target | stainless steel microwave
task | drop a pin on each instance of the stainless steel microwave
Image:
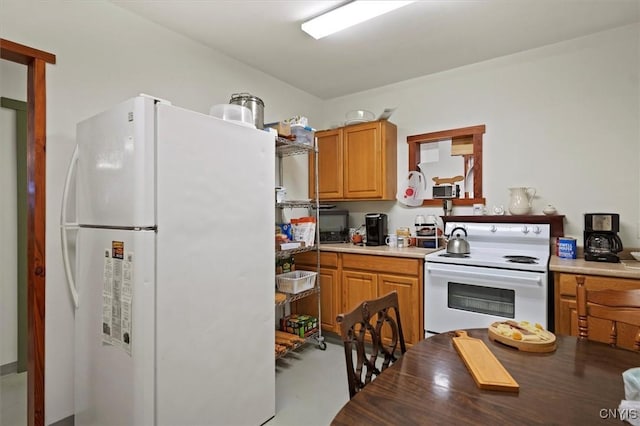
(334, 225)
(444, 191)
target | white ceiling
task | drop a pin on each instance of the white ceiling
(423, 38)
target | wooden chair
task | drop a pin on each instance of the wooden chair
(361, 331)
(617, 306)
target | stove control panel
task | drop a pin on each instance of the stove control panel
(507, 231)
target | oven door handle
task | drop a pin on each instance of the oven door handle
(506, 276)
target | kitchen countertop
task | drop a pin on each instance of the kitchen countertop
(624, 269)
(411, 252)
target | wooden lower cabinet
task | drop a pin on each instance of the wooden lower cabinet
(330, 295)
(565, 307)
(358, 286)
(367, 277)
(348, 279)
(410, 313)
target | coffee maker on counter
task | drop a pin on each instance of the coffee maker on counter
(601, 240)
(376, 226)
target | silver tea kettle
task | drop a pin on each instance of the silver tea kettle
(458, 245)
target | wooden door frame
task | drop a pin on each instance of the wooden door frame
(35, 60)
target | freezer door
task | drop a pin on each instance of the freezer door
(215, 271)
(116, 166)
(114, 328)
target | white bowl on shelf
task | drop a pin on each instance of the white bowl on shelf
(635, 255)
(359, 116)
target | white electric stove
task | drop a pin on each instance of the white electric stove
(505, 276)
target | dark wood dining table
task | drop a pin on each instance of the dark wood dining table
(579, 383)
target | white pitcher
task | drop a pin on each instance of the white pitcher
(521, 200)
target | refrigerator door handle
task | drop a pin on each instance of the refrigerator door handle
(64, 226)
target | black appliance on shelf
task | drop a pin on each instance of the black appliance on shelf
(601, 240)
(334, 225)
(376, 226)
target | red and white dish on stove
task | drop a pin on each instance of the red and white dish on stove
(505, 276)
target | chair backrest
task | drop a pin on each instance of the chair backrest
(362, 330)
(616, 306)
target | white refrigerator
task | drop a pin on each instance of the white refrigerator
(173, 268)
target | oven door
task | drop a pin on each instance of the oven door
(461, 297)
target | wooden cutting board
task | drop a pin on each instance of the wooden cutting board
(516, 335)
(485, 368)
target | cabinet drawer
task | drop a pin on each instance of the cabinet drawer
(384, 264)
(567, 283)
(327, 260)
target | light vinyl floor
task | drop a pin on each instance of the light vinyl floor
(311, 387)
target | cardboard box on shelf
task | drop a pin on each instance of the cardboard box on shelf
(284, 265)
(298, 324)
(291, 245)
(283, 129)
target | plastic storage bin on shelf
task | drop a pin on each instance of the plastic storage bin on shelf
(296, 281)
(303, 134)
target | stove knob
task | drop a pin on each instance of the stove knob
(493, 228)
(537, 230)
(525, 230)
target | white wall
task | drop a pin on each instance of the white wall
(564, 119)
(105, 55)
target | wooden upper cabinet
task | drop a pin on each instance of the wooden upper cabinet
(363, 166)
(330, 166)
(356, 162)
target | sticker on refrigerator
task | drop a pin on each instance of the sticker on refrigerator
(107, 296)
(117, 296)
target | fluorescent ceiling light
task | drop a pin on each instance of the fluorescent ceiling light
(348, 15)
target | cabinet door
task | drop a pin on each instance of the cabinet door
(566, 311)
(408, 289)
(357, 287)
(329, 299)
(363, 169)
(330, 166)
(566, 317)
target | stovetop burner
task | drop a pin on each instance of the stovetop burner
(512, 246)
(521, 259)
(458, 255)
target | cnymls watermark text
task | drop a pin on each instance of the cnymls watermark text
(619, 413)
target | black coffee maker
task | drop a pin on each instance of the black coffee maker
(601, 241)
(376, 225)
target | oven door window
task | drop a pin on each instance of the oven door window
(485, 300)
